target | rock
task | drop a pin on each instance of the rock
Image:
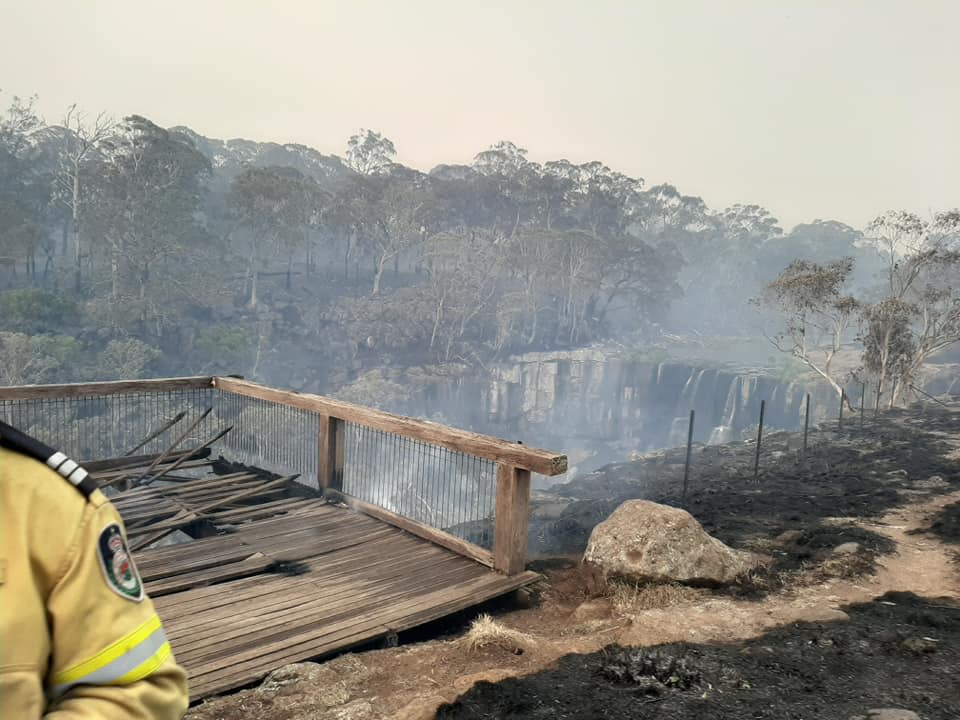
(787, 537)
(887, 714)
(847, 548)
(919, 645)
(646, 542)
(292, 674)
(328, 685)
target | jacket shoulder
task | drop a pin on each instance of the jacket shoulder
(20, 443)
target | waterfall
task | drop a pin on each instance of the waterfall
(678, 432)
(730, 408)
(599, 410)
(684, 394)
(688, 395)
(720, 434)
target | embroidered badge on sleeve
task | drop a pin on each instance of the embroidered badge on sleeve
(117, 564)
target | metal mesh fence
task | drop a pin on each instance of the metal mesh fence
(438, 487)
(442, 488)
(270, 436)
(105, 426)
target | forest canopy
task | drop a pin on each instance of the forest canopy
(150, 250)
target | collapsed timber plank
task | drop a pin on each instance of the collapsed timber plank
(232, 616)
(134, 461)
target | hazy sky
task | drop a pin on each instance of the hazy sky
(813, 108)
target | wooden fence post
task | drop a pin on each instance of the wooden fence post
(510, 519)
(330, 465)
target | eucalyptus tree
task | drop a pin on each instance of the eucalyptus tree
(816, 312)
(145, 202)
(369, 152)
(81, 140)
(918, 314)
(24, 190)
(276, 206)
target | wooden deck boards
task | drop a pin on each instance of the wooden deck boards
(232, 616)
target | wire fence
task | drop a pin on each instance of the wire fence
(433, 485)
(448, 490)
(105, 426)
(270, 436)
(852, 410)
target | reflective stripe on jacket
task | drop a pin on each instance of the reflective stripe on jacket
(78, 637)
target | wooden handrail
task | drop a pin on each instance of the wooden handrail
(119, 387)
(469, 443)
(514, 461)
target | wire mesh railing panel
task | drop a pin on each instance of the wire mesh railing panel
(270, 436)
(110, 425)
(442, 488)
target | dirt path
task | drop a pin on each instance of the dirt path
(921, 564)
(411, 682)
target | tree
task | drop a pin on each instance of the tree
(503, 158)
(369, 152)
(125, 359)
(145, 203)
(465, 271)
(81, 141)
(889, 347)
(32, 310)
(275, 205)
(23, 190)
(389, 217)
(223, 349)
(37, 359)
(897, 235)
(920, 313)
(750, 225)
(816, 311)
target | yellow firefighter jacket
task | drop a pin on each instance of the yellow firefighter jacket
(78, 637)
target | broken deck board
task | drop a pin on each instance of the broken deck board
(232, 617)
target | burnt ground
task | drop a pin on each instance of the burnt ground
(899, 651)
(893, 487)
(795, 509)
(946, 525)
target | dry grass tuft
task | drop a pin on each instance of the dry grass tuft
(630, 598)
(486, 632)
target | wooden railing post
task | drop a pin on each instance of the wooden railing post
(330, 467)
(510, 519)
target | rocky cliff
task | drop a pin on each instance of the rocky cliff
(602, 408)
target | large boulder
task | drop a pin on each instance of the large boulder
(646, 542)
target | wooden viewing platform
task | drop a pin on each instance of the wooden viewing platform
(230, 619)
(381, 537)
